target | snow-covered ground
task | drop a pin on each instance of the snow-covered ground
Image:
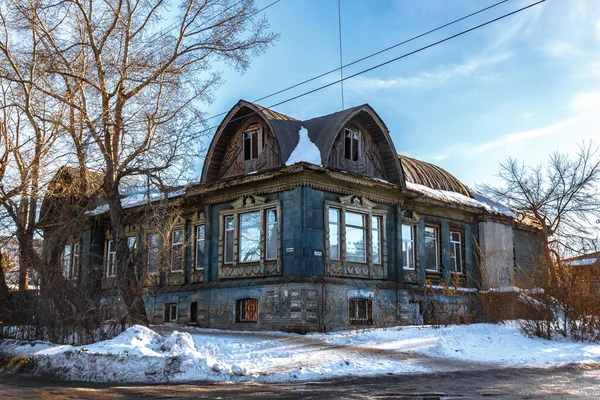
(142, 355)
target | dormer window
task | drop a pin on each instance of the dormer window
(251, 143)
(352, 144)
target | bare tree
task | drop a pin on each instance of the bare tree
(563, 196)
(134, 76)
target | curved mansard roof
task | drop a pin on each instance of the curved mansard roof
(284, 128)
(426, 174)
(322, 131)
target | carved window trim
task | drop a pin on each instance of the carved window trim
(343, 267)
(263, 266)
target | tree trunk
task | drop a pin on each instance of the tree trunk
(4, 294)
(129, 289)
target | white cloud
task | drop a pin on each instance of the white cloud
(583, 124)
(427, 79)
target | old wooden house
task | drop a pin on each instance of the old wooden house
(306, 225)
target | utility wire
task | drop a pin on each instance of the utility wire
(385, 63)
(366, 57)
(341, 58)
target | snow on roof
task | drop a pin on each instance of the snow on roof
(305, 151)
(139, 199)
(479, 201)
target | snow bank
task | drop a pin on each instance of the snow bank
(142, 355)
(305, 151)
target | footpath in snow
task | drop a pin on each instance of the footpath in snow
(142, 355)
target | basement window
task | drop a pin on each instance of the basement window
(246, 310)
(360, 311)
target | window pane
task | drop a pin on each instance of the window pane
(271, 251)
(153, 253)
(376, 239)
(66, 262)
(200, 247)
(254, 144)
(408, 261)
(132, 242)
(355, 145)
(355, 219)
(348, 145)
(247, 146)
(355, 244)
(177, 237)
(407, 232)
(229, 225)
(455, 236)
(250, 237)
(334, 234)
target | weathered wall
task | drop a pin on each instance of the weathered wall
(497, 254)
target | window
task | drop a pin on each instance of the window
(229, 232)
(354, 236)
(360, 311)
(132, 243)
(153, 243)
(356, 233)
(246, 310)
(66, 261)
(431, 249)
(200, 247)
(408, 247)
(334, 234)
(171, 312)
(250, 237)
(75, 265)
(111, 258)
(193, 311)
(251, 145)
(456, 256)
(271, 231)
(177, 250)
(376, 239)
(351, 144)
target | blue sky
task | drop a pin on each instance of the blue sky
(524, 86)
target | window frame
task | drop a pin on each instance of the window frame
(235, 216)
(436, 230)
(256, 140)
(150, 255)
(75, 260)
(198, 260)
(180, 250)
(352, 144)
(66, 261)
(171, 306)
(369, 214)
(460, 243)
(413, 241)
(111, 262)
(240, 310)
(356, 319)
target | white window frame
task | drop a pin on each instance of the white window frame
(353, 139)
(436, 231)
(177, 247)
(172, 306)
(235, 231)
(255, 136)
(111, 259)
(269, 226)
(76, 260)
(412, 242)
(369, 214)
(456, 268)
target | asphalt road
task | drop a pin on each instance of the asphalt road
(572, 382)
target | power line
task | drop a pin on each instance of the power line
(341, 58)
(366, 57)
(386, 62)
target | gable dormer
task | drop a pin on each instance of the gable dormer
(250, 139)
(357, 141)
